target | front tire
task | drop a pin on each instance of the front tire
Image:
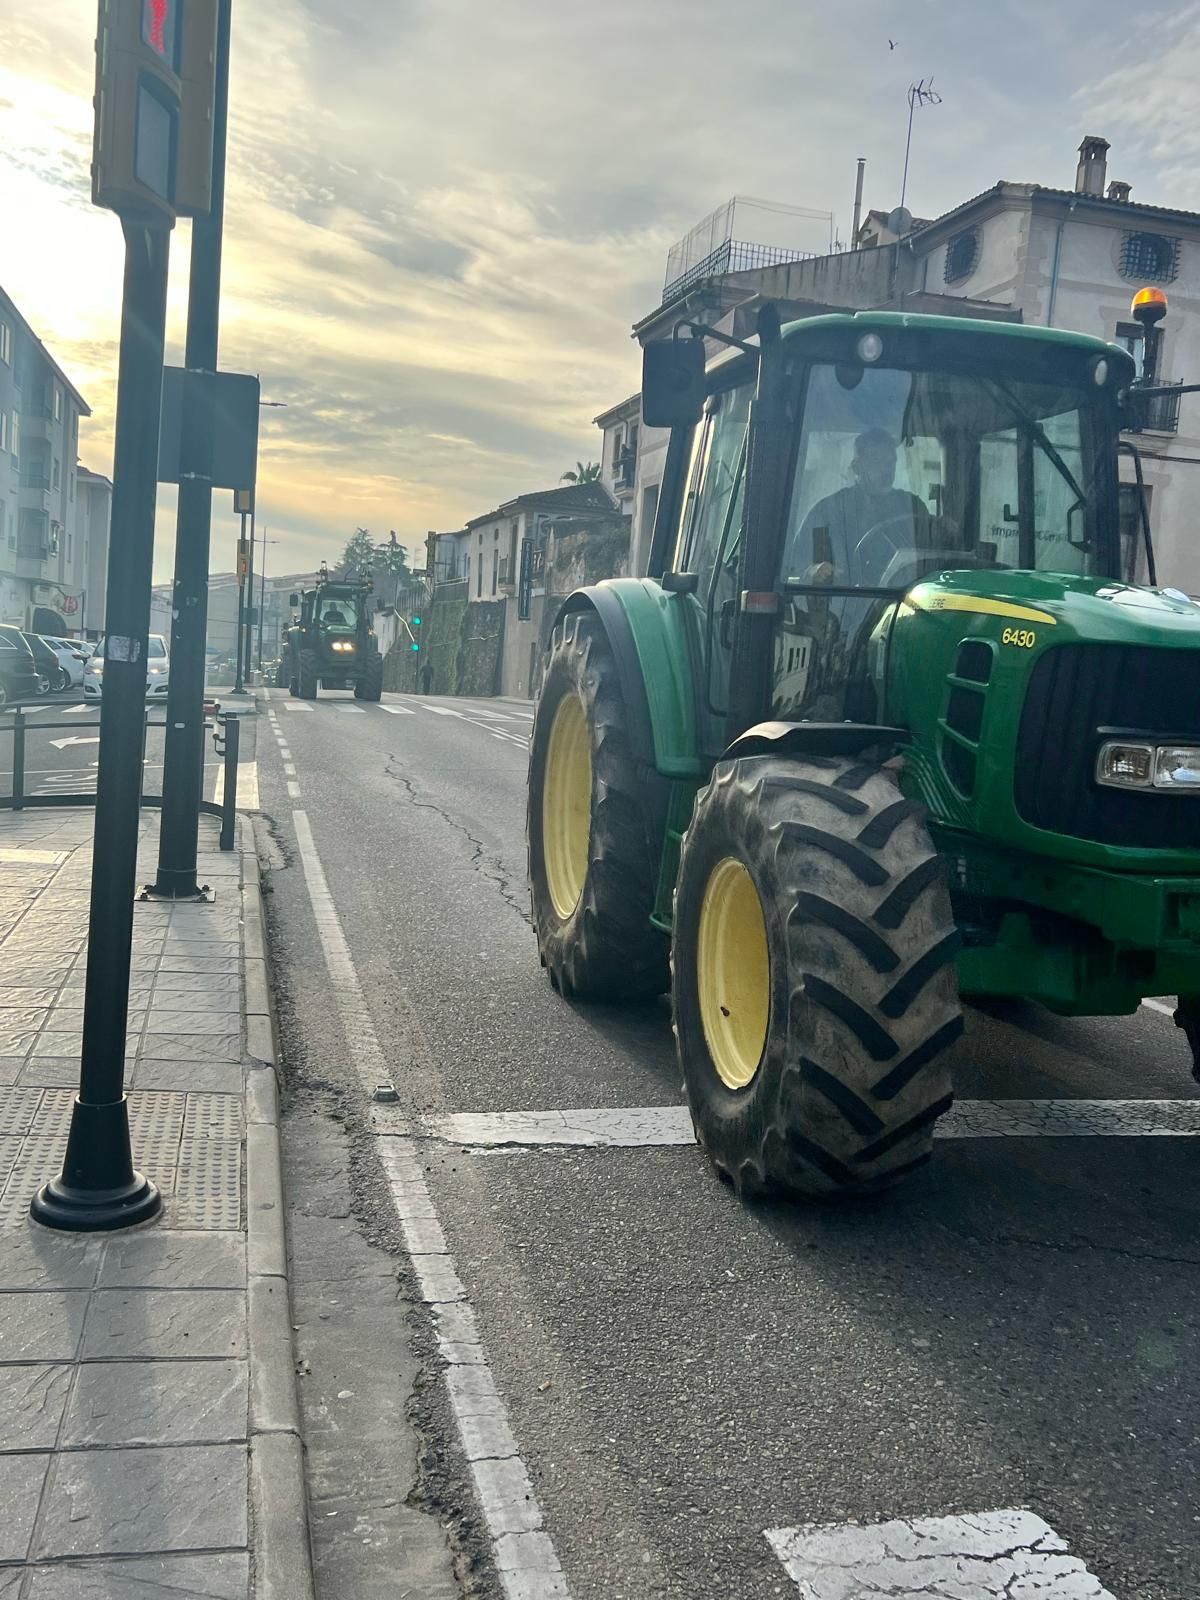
(592, 869)
(815, 993)
(370, 685)
(307, 676)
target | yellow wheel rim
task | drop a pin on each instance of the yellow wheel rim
(567, 805)
(733, 973)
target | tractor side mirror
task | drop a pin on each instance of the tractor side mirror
(293, 599)
(673, 383)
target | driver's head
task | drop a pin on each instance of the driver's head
(874, 463)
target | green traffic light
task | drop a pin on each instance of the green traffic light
(414, 646)
(416, 622)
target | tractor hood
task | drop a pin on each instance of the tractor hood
(1096, 609)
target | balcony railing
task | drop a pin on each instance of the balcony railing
(34, 478)
(733, 255)
(1154, 413)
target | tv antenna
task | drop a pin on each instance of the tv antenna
(921, 93)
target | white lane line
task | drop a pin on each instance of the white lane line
(289, 769)
(525, 1555)
(496, 733)
(296, 705)
(247, 785)
(491, 716)
(1159, 1005)
(293, 790)
(397, 711)
(637, 1126)
(440, 711)
(352, 711)
(993, 1555)
(285, 750)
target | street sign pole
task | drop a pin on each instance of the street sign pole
(241, 614)
(249, 616)
(183, 755)
(98, 1187)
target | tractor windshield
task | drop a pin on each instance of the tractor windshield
(336, 611)
(901, 473)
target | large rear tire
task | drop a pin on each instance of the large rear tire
(370, 685)
(592, 868)
(815, 992)
(307, 675)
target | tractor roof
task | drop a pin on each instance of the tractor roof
(965, 327)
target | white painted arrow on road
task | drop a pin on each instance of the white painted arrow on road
(76, 738)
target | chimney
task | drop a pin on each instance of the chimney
(1118, 190)
(1093, 162)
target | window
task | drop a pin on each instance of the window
(1149, 257)
(56, 480)
(57, 403)
(479, 572)
(70, 545)
(714, 481)
(1133, 545)
(1131, 336)
(3, 431)
(3, 516)
(55, 536)
(962, 256)
(5, 343)
(496, 567)
(617, 441)
(14, 442)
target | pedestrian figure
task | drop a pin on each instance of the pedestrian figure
(426, 677)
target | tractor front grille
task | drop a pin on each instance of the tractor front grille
(1074, 691)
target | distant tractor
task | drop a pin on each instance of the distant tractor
(331, 643)
(886, 724)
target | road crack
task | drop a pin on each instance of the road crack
(480, 860)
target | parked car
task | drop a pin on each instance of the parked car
(18, 675)
(158, 665)
(52, 675)
(70, 658)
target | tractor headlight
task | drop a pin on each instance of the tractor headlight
(1147, 766)
(343, 644)
(1177, 767)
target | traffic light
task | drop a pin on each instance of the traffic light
(414, 645)
(416, 622)
(155, 80)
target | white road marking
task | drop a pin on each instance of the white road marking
(296, 705)
(285, 751)
(76, 738)
(293, 791)
(1158, 1005)
(247, 785)
(635, 1126)
(491, 716)
(75, 711)
(289, 769)
(354, 711)
(440, 711)
(993, 1554)
(397, 711)
(525, 1556)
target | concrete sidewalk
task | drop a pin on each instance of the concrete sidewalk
(149, 1434)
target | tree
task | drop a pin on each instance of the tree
(585, 472)
(391, 569)
(358, 557)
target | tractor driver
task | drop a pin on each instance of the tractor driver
(334, 617)
(835, 530)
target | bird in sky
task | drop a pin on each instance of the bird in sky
(891, 44)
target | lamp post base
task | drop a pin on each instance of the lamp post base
(98, 1189)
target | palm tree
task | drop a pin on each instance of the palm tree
(585, 472)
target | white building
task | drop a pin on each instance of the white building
(48, 542)
(1051, 257)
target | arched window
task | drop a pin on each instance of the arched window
(1149, 258)
(962, 255)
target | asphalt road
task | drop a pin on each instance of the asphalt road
(682, 1374)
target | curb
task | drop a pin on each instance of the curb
(282, 1556)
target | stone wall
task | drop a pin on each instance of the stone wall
(461, 642)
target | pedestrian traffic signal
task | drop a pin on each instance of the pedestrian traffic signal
(155, 81)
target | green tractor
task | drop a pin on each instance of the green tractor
(331, 644)
(885, 726)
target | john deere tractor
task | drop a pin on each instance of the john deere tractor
(331, 643)
(886, 725)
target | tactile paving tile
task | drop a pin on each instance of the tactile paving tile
(38, 1161)
(157, 1115)
(18, 1108)
(53, 1117)
(208, 1189)
(213, 1116)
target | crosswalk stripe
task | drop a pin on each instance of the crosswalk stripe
(352, 711)
(398, 711)
(296, 705)
(989, 1556)
(636, 1126)
(441, 711)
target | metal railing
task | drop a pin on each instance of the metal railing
(226, 733)
(1152, 413)
(733, 255)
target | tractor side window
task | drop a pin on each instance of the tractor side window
(714, 485)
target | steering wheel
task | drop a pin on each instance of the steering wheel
(920, 563)
(879, 550)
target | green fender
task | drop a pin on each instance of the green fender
(655, 638)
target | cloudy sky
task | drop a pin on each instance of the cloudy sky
(443, 215)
